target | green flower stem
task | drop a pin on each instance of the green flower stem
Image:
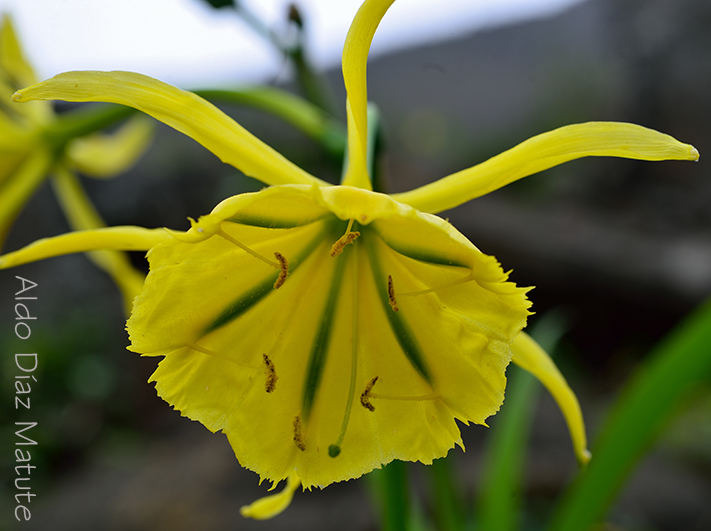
(305, 116)
(447, 503)
(677, 365)
(311, 82)
(85, 120)
(313, 85)
(392, 491)
(499, 503)
(500, 499)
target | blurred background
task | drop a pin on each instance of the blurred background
(623, 248)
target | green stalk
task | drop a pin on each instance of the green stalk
(677, 365)
(392, 491)
(448, 509)
(500, 500)
(85, 120)
(305, 116)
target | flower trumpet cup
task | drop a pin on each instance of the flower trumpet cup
(328, 330)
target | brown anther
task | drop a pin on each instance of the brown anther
(344, 240)
(271, 374)
(283, 270)
(298, 441)
(365, 395)
(391, 294)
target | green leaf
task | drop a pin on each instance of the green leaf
(676, 366)
(392, 491)
(448, 509)
(499, 504)
(305, 116)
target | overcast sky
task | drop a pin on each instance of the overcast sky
(186, 43)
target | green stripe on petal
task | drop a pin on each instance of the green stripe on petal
(426, 254)
(592, 139)
(401, 330)
(319, 349)
(261, 290)
(267, 222)
(185, 111)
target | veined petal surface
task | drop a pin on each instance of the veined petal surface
(182, 110)
(592, 139)
(321, 376)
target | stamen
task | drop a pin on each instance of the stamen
(271, 374)
(463, 280)
(344, 240)
(284, 270)
(214, 354)
(229, 238)
(431, 396)
(298, 440)
(365, 395)
(391, 294)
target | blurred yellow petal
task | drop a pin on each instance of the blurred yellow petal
(18, 186)
(82, 215)
(529, 355)
(12, 59)
(338, 383)
(355, 58)
(180, 109)
(106, 155)
(16, 72)
(274, 504)
(113, 238)
(592, 139)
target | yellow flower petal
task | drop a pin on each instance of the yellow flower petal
(106, 155)
(598, 139)
(115, 238)
(180, 109)
(12, 60)
(355, 58)
(16, 72)
(82, 216)
(17, 187)
(528, 355)
(274, 504)
(291, 374)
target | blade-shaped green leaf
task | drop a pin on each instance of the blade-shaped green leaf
(676, 366)
(499, 504)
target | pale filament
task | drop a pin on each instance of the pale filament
(463, 280)
(208, 352)
(275, 265)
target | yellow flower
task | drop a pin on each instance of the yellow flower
(328, 330)
(36, 143)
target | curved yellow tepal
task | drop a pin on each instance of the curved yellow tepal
(182, 110)
(355, 58)
(104, 155)
(111, 238)
(12, 59)
(274, 504)
(82, 215)
(529, 355)
(592, 139)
